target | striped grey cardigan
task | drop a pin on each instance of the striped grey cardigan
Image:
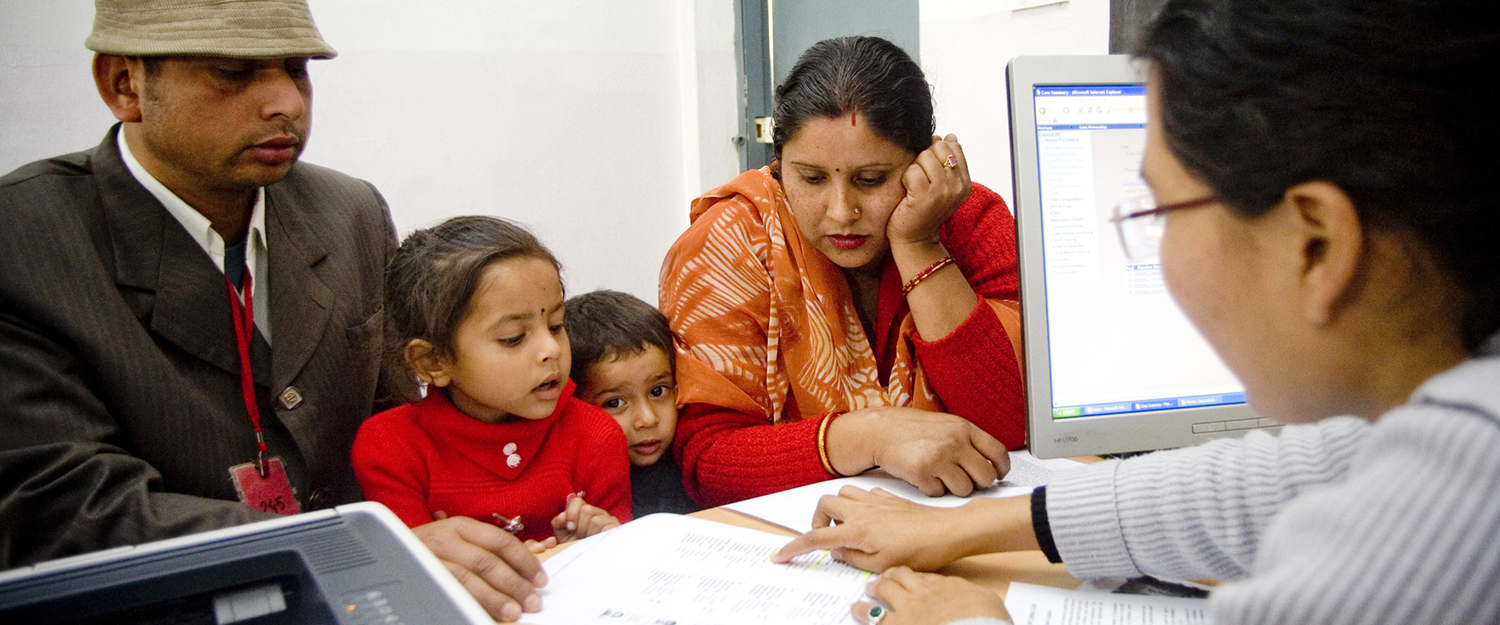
(1335, 522)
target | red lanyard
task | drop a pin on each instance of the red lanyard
(244, 330)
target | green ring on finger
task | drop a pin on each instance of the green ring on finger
(875, 614)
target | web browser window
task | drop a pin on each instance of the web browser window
(1118, 342)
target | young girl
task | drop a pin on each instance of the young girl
(474, 309)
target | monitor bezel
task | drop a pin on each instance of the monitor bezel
(1048, 437)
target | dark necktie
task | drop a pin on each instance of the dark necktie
(234, 262)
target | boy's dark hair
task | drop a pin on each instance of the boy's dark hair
(1378, 97)
(432, 277)
(610, 324)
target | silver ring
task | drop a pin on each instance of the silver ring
(875, 614)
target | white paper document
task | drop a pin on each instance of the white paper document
(667, 569)
(1030, 604)
(793, 509)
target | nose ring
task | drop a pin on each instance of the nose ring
(858, 211)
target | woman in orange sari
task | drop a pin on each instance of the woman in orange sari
(852, 306)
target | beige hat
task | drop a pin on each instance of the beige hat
(246, 29)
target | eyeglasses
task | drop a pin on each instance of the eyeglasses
(1140, 223)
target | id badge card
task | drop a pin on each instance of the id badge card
(272, 493)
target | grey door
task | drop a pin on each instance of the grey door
(773, 33)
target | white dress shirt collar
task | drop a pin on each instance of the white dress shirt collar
(201, 230)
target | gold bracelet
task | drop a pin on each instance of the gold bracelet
(823, 442)
(925, 274)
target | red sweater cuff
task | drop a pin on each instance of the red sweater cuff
(729, 456)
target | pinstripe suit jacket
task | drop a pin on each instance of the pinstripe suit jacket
(120, 402)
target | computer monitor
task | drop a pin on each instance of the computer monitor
(1111, 363)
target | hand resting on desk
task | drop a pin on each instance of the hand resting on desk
(580, 520)
(492, 564)
(914, 597)
(877, 531)
(933, 451)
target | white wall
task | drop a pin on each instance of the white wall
(593, 122)
(965, 46)
(48, 104)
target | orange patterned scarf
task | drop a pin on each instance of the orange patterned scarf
(764, 323)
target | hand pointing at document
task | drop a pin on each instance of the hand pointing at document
(875, 530)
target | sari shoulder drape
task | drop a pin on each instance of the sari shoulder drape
(763, 321)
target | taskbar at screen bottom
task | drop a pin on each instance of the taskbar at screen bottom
(1147, 405)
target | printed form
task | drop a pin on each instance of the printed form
(1030, 604)
(667, 569)
(793, 509)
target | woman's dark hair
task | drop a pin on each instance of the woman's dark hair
(610, 324)
(868, 76)
(1387, 99)
(432, 277)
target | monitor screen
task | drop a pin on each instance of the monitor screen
(1112, 364)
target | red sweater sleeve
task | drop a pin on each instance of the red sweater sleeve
(728, 456)
(390, 469)
(975, 368)
(603, 472)
(981, 236)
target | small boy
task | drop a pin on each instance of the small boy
(622, 363)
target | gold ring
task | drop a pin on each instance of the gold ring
(951, 162)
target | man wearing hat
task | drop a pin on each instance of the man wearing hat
(190, 318)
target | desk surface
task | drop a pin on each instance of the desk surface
(995, 571)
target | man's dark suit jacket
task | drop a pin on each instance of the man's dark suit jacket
(121, 409)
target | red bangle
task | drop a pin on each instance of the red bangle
(823, 443)
(925, 274)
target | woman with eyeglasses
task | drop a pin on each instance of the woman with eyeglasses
(1324, 174)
